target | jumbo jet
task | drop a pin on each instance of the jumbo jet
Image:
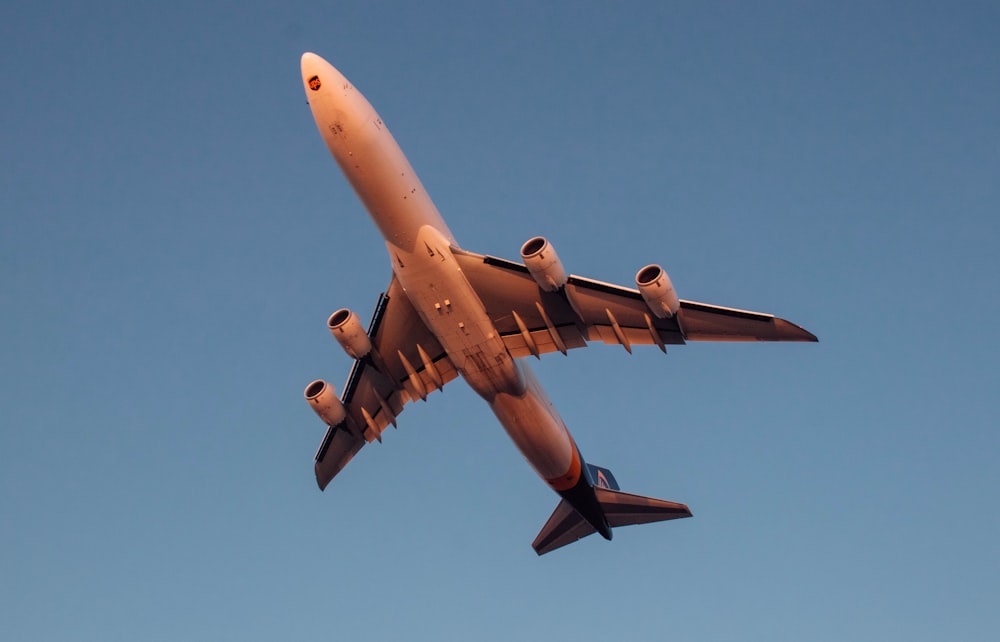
(448, 312)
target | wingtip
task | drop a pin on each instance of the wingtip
(788, 331)
(322, 480)
(807, 336)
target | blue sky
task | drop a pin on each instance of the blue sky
(174, 234)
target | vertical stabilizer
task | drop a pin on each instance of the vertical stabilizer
(603, 478)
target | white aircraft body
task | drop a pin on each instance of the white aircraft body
(448, 312)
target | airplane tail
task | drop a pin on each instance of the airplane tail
(566, 525)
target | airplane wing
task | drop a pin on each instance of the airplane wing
(406, 363)
(533, 321)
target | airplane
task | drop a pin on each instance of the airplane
(448, 312)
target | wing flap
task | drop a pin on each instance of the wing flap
(543, 341)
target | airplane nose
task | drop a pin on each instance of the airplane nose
(312, 67)
(336, 106)
(317, 73)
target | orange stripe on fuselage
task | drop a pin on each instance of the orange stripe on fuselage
(571, 477)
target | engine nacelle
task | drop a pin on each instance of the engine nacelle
(346, 328)
(657, 291)
(325, 402)
(543, 263)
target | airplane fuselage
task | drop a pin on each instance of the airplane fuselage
(420, 247)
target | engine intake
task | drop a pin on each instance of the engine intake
(325, 403)
(346, 328)
(657, 291)
(543, 264)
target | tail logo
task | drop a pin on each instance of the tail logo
(602, 481)
(314, 83)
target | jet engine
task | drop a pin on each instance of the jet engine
(657, 291)
(543, 264)
(346, 328)
(325, 402)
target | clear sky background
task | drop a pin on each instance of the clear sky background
(174, 233)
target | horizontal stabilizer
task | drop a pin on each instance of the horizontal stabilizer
(566, 526)
(625, 509)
